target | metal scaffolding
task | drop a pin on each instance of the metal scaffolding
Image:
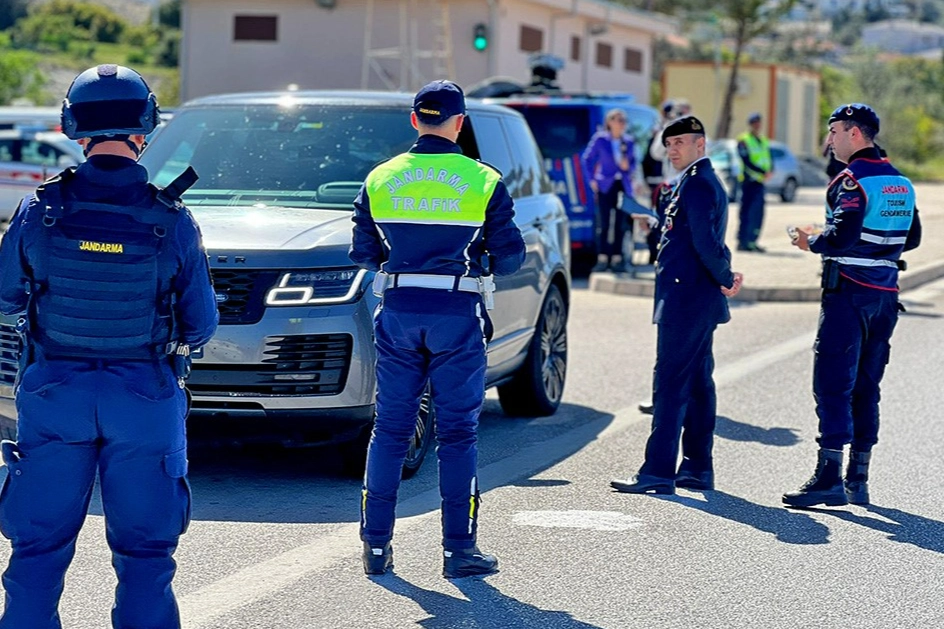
(424, 45)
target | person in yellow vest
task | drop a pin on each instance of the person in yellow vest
(754, 150)
(434, 225)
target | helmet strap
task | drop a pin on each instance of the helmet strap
(98, 139)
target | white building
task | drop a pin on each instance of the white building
(903, 36)
(238, 45)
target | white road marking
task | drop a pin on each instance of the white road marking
(591, 520)
(200, 608)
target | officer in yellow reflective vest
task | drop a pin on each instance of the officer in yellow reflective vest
(754, 150)
(434, 224)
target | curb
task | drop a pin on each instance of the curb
(638, 287)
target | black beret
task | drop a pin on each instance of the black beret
(683, 125)
(856, 112)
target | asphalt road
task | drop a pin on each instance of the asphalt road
(274, 540)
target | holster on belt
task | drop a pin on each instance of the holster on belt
(831, 277)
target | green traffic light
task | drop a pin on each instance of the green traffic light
(480, 43)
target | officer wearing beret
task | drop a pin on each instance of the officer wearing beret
(434, 224)
(871, 219)
(754, 150)
(112, 284)
(693, 281)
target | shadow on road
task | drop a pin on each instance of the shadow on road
(486, 607)
(790, 527)
(732, 430)
(904, 527)
(308, 486)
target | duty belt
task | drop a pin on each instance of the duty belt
(484, 286)
(862, 261)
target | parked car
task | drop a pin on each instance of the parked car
(28, 158)
(727, 163)
(293, 360)
(563, 124)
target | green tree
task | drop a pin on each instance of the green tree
(168, 13)
(98, 23)
(747, 19)
(19, 77)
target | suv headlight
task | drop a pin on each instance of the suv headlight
(302, 288)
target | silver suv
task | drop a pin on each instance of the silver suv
(293, 359)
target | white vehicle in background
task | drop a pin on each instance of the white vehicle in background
(27, 158)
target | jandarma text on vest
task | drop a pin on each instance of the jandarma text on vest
(430, 174)
(101, 247)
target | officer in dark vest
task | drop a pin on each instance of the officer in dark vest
(112, 284)
(434, 224)
(693, 281)
(871, 219)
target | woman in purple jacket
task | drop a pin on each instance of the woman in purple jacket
(608, 161)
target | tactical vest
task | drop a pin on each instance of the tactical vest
(758, 149)
(886, 221)
(102, 295)
(431, 189)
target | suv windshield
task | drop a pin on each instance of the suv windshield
(269, 155)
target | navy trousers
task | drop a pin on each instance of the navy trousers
(751, 215)
(608, 215)
(436, 337)
(852, 349)
(683, 397)
(126, 422)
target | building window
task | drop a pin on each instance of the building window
(632, 60)
(255, 28)
(532, 39)
(575, 46)
(604, 55)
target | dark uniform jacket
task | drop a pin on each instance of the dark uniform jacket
(115, 180)
(693, 263)
(871, 218)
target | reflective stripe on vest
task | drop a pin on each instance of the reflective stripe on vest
(431, 189)
(758, 149)
(100, 296)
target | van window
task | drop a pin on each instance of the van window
(534, 177)
(560, 131)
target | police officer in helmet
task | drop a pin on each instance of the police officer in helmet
(434, 224)
(111, 282)
(871, 219)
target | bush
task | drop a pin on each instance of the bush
(61, 19)
(47, 33)
(168, 54)
(19, 77)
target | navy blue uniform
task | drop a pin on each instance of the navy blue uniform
(428, 334)
(123, 418)
(693, 265)
(871, 219)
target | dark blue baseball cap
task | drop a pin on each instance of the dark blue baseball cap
(856, 112)
(754, 117)
(438, 101)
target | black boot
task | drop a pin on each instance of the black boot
(469, 562)
(825, 488)
(857, 478)
(377, 560)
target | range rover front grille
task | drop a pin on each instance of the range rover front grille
(304, 364)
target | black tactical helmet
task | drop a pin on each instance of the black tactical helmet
(109, 100)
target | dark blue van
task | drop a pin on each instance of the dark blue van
(563, 124)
